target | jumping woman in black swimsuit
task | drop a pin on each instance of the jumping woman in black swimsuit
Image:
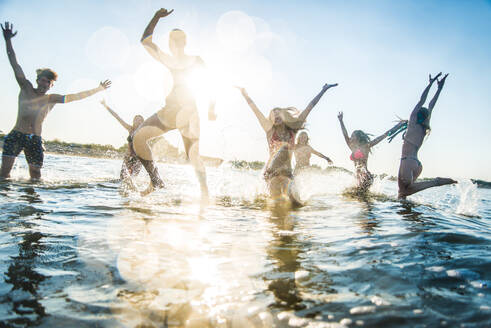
(417, 128)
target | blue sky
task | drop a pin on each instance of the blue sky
(380, 53)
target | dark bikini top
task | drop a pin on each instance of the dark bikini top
(276, 141)
(130, 136)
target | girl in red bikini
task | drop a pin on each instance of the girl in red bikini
(361, 145)
(281, 128)
(417, 128)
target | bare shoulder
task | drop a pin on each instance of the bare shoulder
(27, 90)
(27, 85)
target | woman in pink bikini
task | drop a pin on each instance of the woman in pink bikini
(417, 129)
(281, 128)
(361, 145)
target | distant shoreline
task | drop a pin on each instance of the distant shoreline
(170, 154)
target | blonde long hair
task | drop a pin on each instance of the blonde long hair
(290, 117)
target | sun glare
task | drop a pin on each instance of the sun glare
(203, 269)
(152, 81)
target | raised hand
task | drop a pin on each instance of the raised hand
(242, 90)
(7, 31)
(328, 86)
(340, 116)
(103, 103)
(401, 123)
(162, 12)
(442, 81)
(105, 84)
(212, 116)
(434, 78)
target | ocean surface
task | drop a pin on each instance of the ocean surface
(78, 251)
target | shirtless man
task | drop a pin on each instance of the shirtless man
(34, 105)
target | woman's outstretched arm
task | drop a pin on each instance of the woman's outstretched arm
(315, 152)
(147, 41)
(440, 84)
(383, 136)
(422, 100)
(343, 128)
(116, 116)
(311, 105)
(265, 123)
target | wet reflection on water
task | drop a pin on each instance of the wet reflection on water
(367, 219)
(284, 249)
(187, 270)
(21, 273)
(77, 253)
(25, 280)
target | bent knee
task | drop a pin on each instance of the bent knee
(404, 183)
(140, 144)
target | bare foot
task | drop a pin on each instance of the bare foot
(147, 191)
(445, 181)
(401, 196)
(128, 184)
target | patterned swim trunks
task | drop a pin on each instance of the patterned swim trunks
(32, 145)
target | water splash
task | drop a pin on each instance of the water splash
(152, 261)
(469, 199)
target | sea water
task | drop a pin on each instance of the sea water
(76, 250)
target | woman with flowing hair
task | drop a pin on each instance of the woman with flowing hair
(303, 152)
(417, 128)
(281, 127)
(361, 145)
(180, 111)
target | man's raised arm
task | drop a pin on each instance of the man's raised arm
(8, 35)
(60, 99)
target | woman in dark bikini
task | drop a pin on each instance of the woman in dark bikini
(417, 128)
(361, 145)
(303, 152)
(281, 128)
(131, 165)
(180, 111)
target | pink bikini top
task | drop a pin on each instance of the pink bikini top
(356, 155)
